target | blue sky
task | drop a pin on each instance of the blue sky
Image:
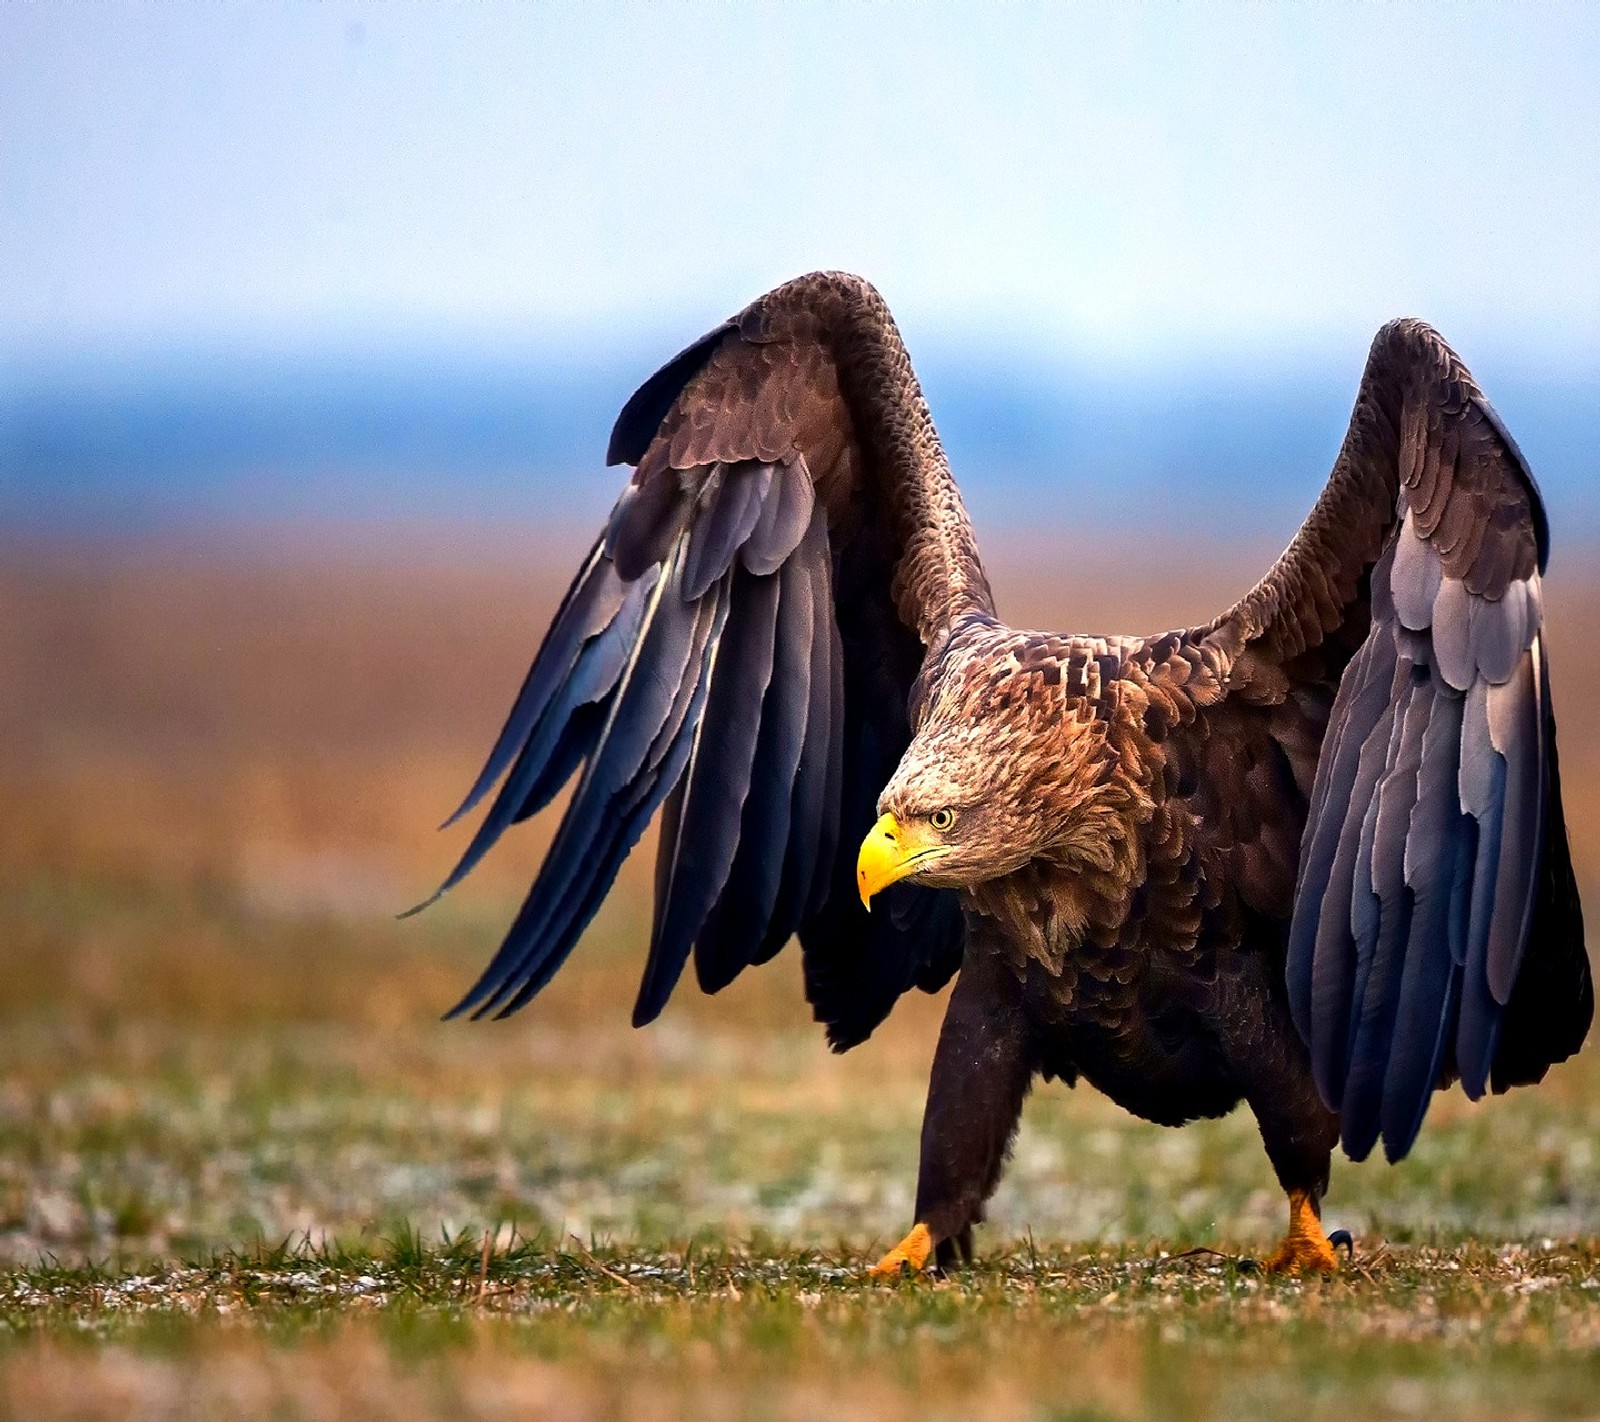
(1127, 183)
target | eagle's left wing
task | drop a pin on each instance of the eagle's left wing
(1436, 925)
(738, 652)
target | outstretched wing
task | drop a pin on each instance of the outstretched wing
(740, 648)
(1436, 928)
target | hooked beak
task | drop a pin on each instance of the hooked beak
(889, 853)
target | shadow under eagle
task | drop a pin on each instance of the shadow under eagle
(1311, 854)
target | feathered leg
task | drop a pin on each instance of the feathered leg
(982, 1069)
(1298, 1131)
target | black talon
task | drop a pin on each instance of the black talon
(953, 1253)
(1342, 1237)
(964, 1243)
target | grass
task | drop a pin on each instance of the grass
(562, 1328)
(596, 1330)
(246, 1172)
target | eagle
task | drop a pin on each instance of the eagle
(1309, 855)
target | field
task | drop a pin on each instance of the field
(246, 1172)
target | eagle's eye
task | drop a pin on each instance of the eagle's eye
(941, 820)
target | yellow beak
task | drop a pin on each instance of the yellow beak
(888, 853)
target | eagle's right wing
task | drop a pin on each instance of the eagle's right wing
(1436, 925)
(740, 647)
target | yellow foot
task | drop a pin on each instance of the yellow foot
(912, 1252)
(1305, 1249)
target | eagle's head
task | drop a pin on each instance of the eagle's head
(1010, 762)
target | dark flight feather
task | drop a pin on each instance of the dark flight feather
(718, 785)
(1516, 730)
(1552, 1002)
(808, 868)
(646, 522)
(1437, 858)
(856, 965)
(1483, 797)
(1362, 699)
(785, 516)
(551, 726)
(1336, 961)
(743, 916)
(664, 669)
(553, 938)
(732, 500)
(1380, 992)
(585, 876)
(593, 600)
(573, 746)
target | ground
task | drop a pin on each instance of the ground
(246, 1172)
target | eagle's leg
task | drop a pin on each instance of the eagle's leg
(982, 1068)
(1299, 1133)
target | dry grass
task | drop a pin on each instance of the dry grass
(222, 768)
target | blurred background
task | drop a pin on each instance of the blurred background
(313, 320)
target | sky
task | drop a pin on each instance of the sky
(1134, 184)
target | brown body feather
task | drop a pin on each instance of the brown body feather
(1309, 855)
